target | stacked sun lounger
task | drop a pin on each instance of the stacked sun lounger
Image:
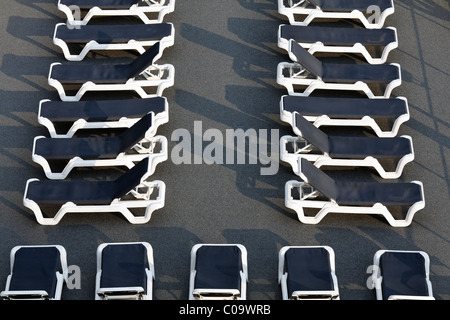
(338, 81)
(103, 132)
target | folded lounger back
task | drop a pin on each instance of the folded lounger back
(84, 192)
(218, 267)
(342, 73)
(124, 265)
(361, 193)
(93, 147)
(105, 73)
(335, 36)
(403, 274)
(35, 269)
(308, 269)
(351, 146)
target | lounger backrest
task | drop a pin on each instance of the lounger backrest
(35, 269)
(314, 2)
(144, 61)
(307, 60)
(318, 179)
(403, 273)
(136, 132)
(311, 133)
(132, 178)
(308, 269)
(218, 267)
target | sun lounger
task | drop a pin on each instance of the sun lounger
(318, 191)
(218, 272)
(307, 273)
(140, 74)
(138, 37)
(125, 149)
(307, 73)
(80, 12)
(100, 114)
(373, 44)
(402, 275)
(383, 116)
(316, 146)
(38, 272)
(125, 271)
(371, 13)
(129, 191)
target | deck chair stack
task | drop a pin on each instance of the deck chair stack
(99, 132)
(340, 106)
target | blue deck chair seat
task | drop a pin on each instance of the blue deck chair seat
(125, 271)
(37, 272)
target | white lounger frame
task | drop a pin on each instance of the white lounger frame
(37, 294)
(301, 7)
(141, 11)
(233, 294)
(141, 193)
(307, 195)
(307, 295)
(377, 279)
(144, 148)
(153, 76)
(139, 46)
(366, 121)
(136, 293)
(158, 119)
(357, 48)
(299, 76)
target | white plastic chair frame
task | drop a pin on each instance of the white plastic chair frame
(159, 76)
(134, 293)
(299, 76)
(307, 295)
(37, 294)
(303, 7)
(140, 10)
(307, 200)
(377, 279)
(218, 294)
(143, 149)
(357, 48)
(366, 121)
(139, 46)
(80, 124)
(142, 199)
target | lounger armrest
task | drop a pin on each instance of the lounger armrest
(315, 295)
(210, 294)
(25, 294)
(405, 297)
